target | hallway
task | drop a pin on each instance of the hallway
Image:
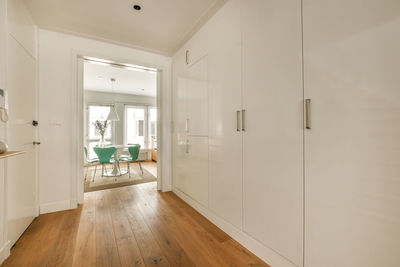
(128, 226)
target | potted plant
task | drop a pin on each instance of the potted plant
(101, 128)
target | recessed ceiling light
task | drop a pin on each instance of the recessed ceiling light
(137, 7)
(142, 89)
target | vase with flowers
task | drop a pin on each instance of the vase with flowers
(101, 128)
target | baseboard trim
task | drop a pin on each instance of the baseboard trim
(261, 251)
(55, 206)
(5, 251)
(73, 203)
(167, 189)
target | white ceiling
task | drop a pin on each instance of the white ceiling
(161, 26)
(127, 81)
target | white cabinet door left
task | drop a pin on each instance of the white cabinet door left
(21, 85)
(3, 42)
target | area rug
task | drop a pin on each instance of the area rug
(103, 182)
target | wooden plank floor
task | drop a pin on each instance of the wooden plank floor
(128, 226)
(150, 166)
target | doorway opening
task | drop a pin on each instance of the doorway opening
(120, 124)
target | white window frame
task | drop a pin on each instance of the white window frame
(147, 141)
(149, 124)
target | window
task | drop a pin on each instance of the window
(153, 127)
(140, 125)
(153, 122)
(140, 128)
(96, 112)
(135, 125)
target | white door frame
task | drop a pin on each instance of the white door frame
(163, 123)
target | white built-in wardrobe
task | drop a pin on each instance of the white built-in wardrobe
(287, 129)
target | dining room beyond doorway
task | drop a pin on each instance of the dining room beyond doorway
(120, 125)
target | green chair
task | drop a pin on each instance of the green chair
(88, 161)
(105, 155)
(133, 157)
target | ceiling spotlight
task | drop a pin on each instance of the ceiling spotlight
(142, 89)
(137, 7)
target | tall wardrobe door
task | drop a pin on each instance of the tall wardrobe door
(225, 97)
(352, 63)
(273, 137)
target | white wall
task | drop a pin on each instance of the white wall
(57, 74)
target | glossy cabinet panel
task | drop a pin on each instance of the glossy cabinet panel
(191, 99)
(352, 63)
(225, 99)
(197, 164)
(195, 91)
(191, 128)
(192, 176)
(196, 48)
(273, 138)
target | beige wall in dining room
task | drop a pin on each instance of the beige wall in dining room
(119, 101)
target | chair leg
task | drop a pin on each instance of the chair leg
(105, 168)
(94, 174)
(129, 170)
(140, 165)
(119, 169)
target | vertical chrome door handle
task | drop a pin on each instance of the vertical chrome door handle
(238, 121)
(187, 146)
(243, 120)
(308, 114)
(187, 126)
(187, 57)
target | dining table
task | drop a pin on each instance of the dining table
(116, 170)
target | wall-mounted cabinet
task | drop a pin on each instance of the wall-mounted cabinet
(254, 79)
(194, 181)
(196, 48)
(191, 128)
(299, 184)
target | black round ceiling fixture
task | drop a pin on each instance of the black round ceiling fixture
(137, 7)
